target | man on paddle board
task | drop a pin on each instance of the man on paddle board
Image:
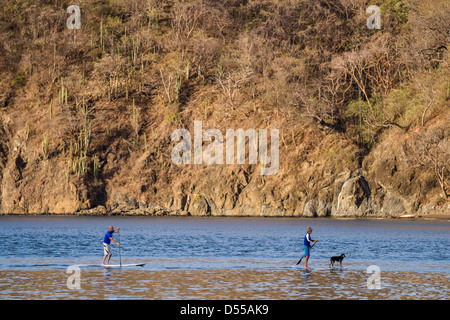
(307, 245)
(107, 243)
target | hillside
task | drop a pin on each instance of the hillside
(87, 114)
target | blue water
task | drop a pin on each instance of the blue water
(223, 258)
(211, 243)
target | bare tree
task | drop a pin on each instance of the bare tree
(167, 85)
(431, 150)
(233, 81)
(185, 18)
(432, 31)
(372, 70)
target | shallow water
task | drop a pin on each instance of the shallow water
(223, 258)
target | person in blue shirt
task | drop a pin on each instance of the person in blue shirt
(107, 243)
(307, 245)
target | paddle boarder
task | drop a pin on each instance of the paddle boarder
(307, 245)
(107, 244)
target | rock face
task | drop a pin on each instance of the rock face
(321, 175)
(353, 198)
(383, 187)
(30, 186)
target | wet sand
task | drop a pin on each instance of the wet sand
(242, 284)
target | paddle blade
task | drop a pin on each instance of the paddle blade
(299, 260)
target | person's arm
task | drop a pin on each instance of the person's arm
(308, 237)
(117, 230)
(114, 241)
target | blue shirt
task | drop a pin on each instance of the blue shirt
(307, 240)
(107, 239)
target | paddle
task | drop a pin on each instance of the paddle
(120, 257)
(304, 255)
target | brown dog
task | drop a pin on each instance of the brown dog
(337, 259)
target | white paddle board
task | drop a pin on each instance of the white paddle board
(123, 265)
(111, 265)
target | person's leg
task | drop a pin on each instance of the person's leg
(107, 252)
(306, 251)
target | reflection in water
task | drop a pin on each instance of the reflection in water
(282, 284)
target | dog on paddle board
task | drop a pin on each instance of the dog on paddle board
(337, 259)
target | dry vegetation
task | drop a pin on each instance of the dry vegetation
(100, 103)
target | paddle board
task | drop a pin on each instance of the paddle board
(111, 265)
(123, 265)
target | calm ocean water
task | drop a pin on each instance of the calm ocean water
(223, 258)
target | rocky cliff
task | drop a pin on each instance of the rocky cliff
(383, 186)
(87, 116)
